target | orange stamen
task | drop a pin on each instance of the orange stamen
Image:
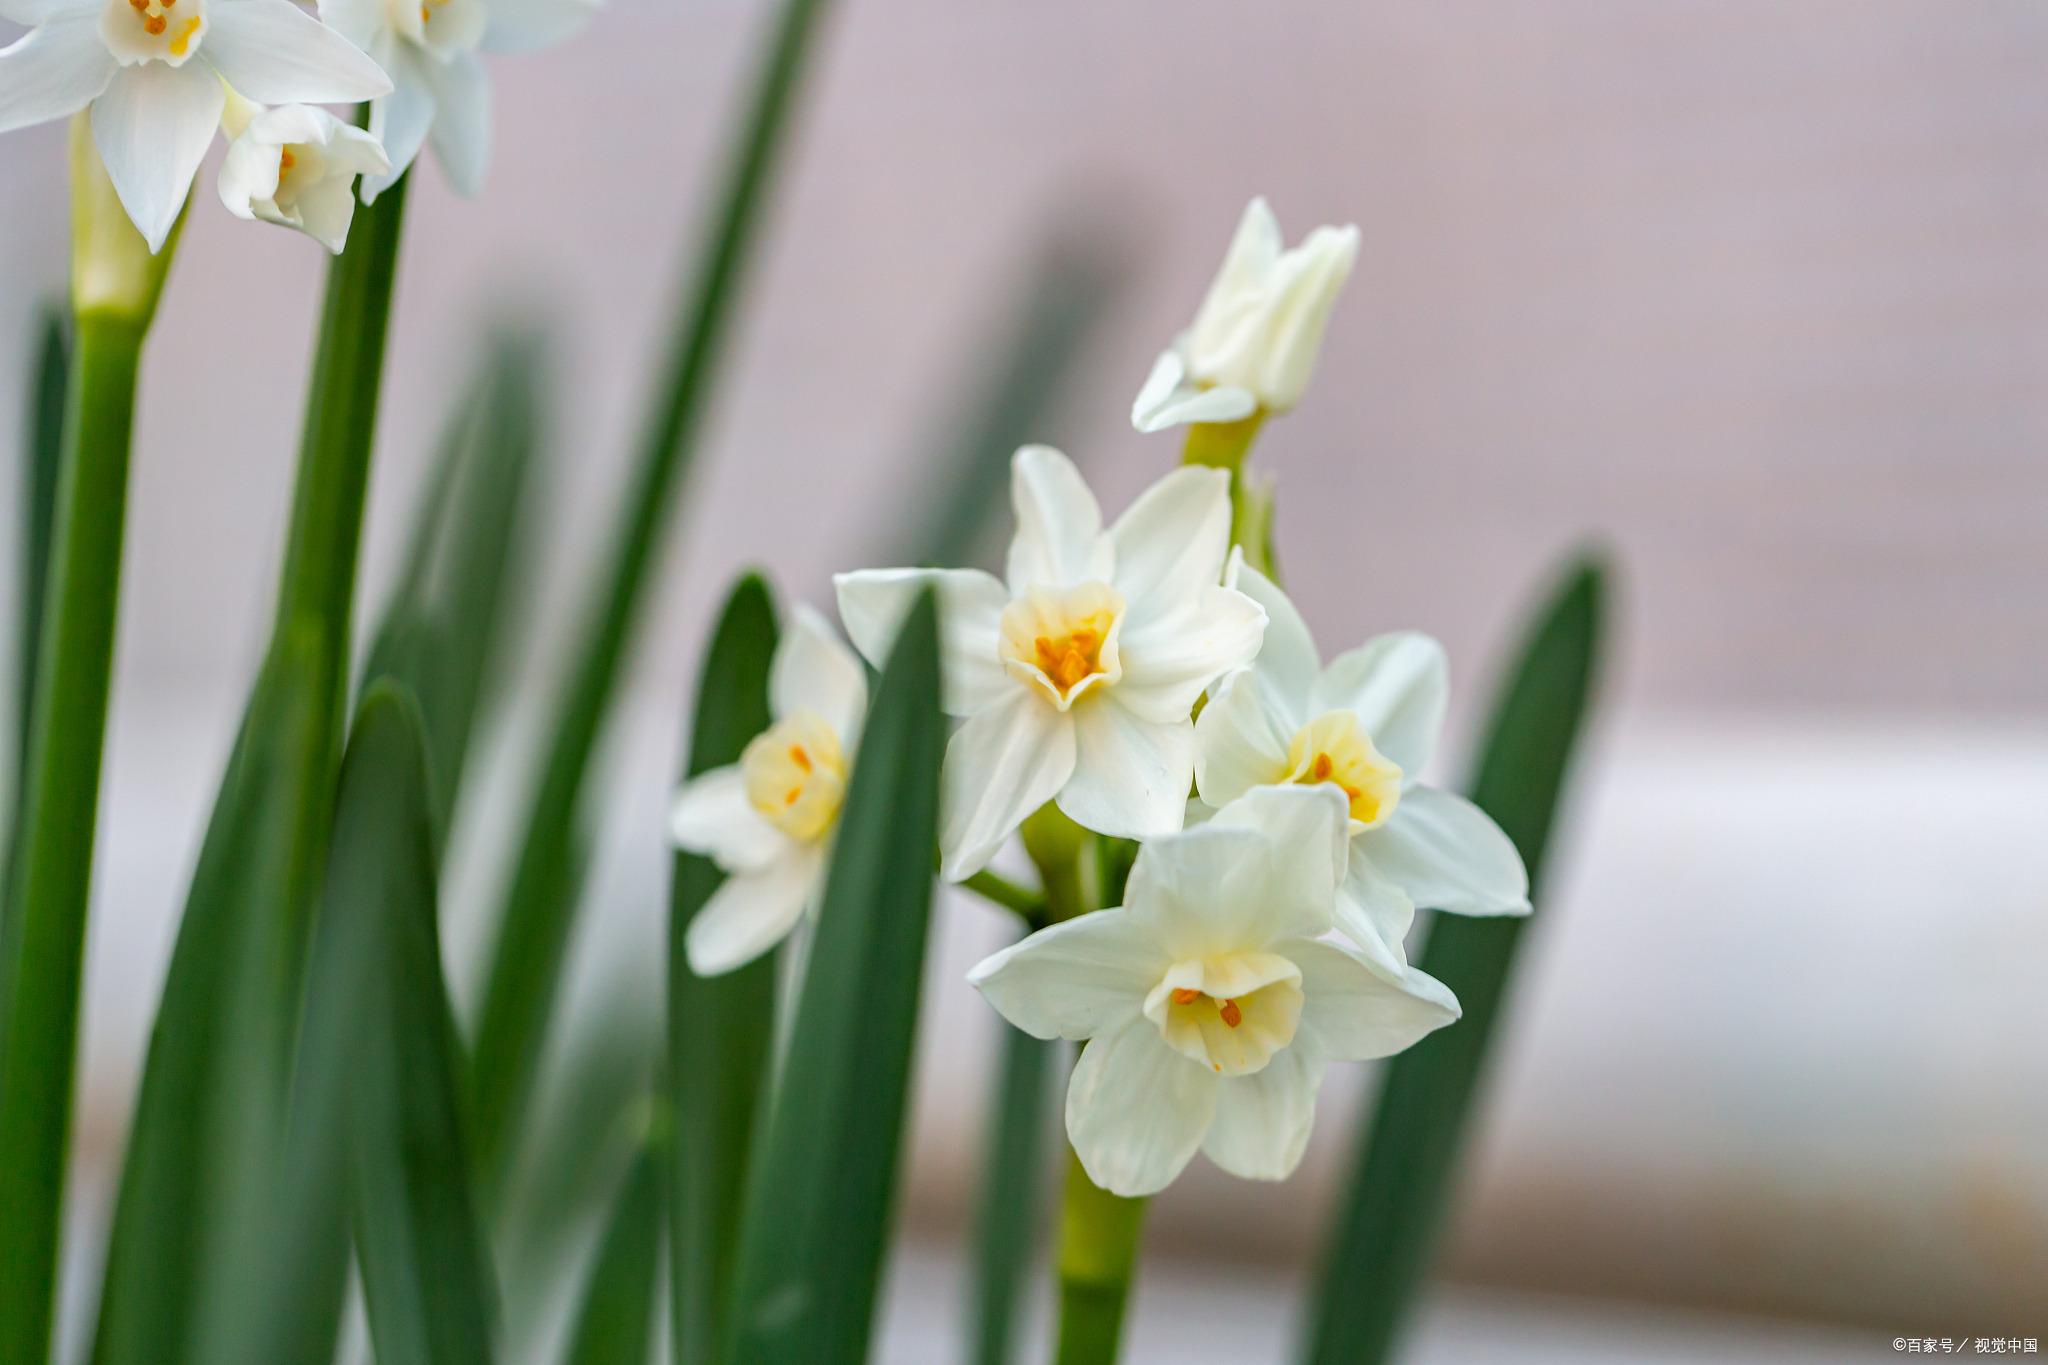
(1232, 1015)
(286, 161)
(154, 24)
(799, 757)
(1184, 996)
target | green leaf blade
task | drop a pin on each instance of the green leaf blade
(819, 1192)
(1407, 1155)
(719, 1028)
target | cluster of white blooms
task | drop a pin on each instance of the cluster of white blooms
(160, 76)
(1154, 687)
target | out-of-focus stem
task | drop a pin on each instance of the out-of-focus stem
(1223, 445)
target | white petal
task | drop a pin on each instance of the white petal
(1169, 658)
(1131, 776)
(1003, 764)
(1263, 1120)
(1447, 854)
(1159, 388)
(1255, 248)
(273, 52)
(526, 25)
(53, 72)
(400, 120)
(1076, 979)
(1219, 403)
(1376, 915)
(1137, 1110)
(1059, 540)
(1240, 739)
(752, 913)
(1171, 542)
(327, 209)
(1307, 829)
(462, 120)
(1205, 893)
(814, 672)
(1352, 1014)
(1400, 686)
(712, 816)
(153, 126)
(1304, 289)
(873, 603)
(1287, 657)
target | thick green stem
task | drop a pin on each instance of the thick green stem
(1224, 445)
(60, 803)
(1007, 1229)
(1028, 905)
(115, 285)
(1098, 1249)
(533, 933)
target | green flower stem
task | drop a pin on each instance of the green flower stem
(1098, 1248)
(1223, 445)
(1029, 905)
(115, 286)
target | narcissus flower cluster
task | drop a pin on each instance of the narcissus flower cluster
(1147, 683)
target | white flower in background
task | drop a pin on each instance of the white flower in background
(442, 93)
(1078, 677)
(295, 166)
(768, 820)
(151, 70)
(1210, 1007)
(1365, 725)
(1254, 342)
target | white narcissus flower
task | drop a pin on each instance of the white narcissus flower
(768, 820)
(1253, 345)
(151, 70)
(442, 93)
(1210, 1006)
(1077, 677)
(295, 166)
(1365, 725)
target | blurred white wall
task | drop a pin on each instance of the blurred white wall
(1757, 294)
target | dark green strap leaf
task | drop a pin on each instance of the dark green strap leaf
(426, 1279)
(1009, 1226)
(819, 1192)
(1408, 1153)
(719, 1028)
(616, 1324)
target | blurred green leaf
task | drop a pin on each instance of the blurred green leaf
(208, 1136)
(439, 633)
(533, 932)
(719, 1028)
(426, 1278)
(819, 1191)
(616, 1324)
(1408, 1154)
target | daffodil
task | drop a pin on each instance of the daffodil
(768, 820)
(1365, 727)
(1253, 345)
(151, 70)
(1077, 676)
(295, 166)
(1210, 1001)
(442, 94)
